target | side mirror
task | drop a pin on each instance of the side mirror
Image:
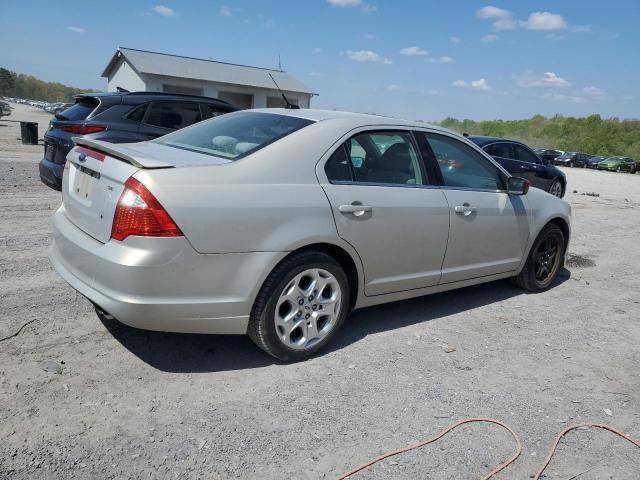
(517, 186)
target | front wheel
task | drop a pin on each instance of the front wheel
(544, 261)
(300, 307)
(555, 188)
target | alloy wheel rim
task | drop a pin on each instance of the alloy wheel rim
(546, 258)
(307, 309)
(556, 189)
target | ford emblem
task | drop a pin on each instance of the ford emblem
(82, 157)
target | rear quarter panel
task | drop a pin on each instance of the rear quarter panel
(268, 201)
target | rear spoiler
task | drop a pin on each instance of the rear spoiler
(121, 153)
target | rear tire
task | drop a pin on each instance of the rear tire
(543, 262)
(300, 307)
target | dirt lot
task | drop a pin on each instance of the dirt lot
(136, 404)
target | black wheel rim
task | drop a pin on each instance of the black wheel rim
(546, 259)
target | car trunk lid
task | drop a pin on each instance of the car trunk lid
(96, 171)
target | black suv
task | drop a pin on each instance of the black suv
(122, 117)
(521, 161)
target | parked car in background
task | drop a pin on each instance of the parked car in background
(5, 109)
(263, 222)
(520, 160)
(592, 161)
(548, 155)
(122, 117)
(571, 159)
(618, 164)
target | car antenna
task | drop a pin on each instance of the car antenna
(465, 134)
(290, 105)
(122, 90)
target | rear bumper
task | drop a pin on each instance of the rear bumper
(51, 174)
(161, 283)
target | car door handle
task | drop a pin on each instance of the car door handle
(355, 210)
(465, 209)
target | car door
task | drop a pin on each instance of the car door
(386, 207)
(489, 228)
(531, 166)
(166, 116)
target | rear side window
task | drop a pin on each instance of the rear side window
(234, 135)
(337, 167)
(79, 110)
(502, 150)
(137, 114)
(173, 115)
(377, 158)
(462, 166)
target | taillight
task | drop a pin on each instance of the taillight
(83, 129)
(139, 213)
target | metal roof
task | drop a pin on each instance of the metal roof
(155, 63)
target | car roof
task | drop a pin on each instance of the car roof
(482, 140)
(357, 119)
(146, 96)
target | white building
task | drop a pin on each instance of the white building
(240, 85)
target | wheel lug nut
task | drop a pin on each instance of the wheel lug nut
(307, 315)
(301, 302)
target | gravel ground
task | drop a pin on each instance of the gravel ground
(136, 404)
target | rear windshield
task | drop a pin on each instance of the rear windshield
(79, 110)
(234, 135)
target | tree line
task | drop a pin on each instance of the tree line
(593, 134)
(19, 85)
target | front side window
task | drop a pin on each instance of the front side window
(234, 135)
(462, 166)
(173, 115)
(214, 111)
(525, 155)
(502, 150)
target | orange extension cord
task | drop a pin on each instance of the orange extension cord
(503, 465)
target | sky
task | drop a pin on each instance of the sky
(416, 59)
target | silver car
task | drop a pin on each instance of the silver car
(277, 223)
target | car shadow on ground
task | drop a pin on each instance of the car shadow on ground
(193, 353)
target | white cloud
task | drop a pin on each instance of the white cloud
(413, 52)
(581, 29)
(505, 24)
(345, 3)
(316, 74)
(225, 11)
(76, 29)
(479, 85)
(443, 59)
(489, 38)
(545, 21)
(502, 19)
(164, 11)
(455, 40)
(367, 56)
(316, 50)
(548, 79)
(366, 8)
(493, 12)
(559, 97)
(393, 87)
(369, 36)
(593, 92)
